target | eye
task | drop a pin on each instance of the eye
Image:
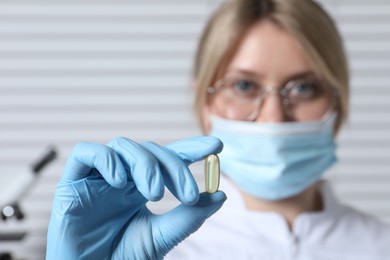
(305, 90)
(245, 88)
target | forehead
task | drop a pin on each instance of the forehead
(269, 51)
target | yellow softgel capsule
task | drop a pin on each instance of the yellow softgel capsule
(211, 171)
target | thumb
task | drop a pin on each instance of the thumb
(177, 224)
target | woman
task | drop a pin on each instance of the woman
(279, 95)
(272, 83)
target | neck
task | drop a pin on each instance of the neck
(308, 201)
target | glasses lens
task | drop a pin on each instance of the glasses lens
(236, 98)
(308, 99)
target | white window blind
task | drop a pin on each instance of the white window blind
(74, 71)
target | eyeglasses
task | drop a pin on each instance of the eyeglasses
(303, 99)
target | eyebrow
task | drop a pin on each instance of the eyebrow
(245, 72)
(298, 75)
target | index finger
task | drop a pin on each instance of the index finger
(196, 148)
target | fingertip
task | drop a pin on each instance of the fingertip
(120, 181)
(155, 186)
(186, 187)
(155, 196)
(148, 177)
(206, 198)
(190, 196)
(213, 142)
(212, 201)
(111, 167)
(118, 176)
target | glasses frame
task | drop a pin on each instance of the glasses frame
(283, 93)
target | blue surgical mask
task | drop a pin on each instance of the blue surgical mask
(274, 161)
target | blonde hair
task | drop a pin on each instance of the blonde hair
(304, 19)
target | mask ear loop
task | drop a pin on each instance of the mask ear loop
(333, 105)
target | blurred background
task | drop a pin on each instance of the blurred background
(83, 70)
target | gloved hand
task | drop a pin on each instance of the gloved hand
(99, 209)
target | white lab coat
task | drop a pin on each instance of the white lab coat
(338, 232)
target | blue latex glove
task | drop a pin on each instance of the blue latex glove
(99, 209)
